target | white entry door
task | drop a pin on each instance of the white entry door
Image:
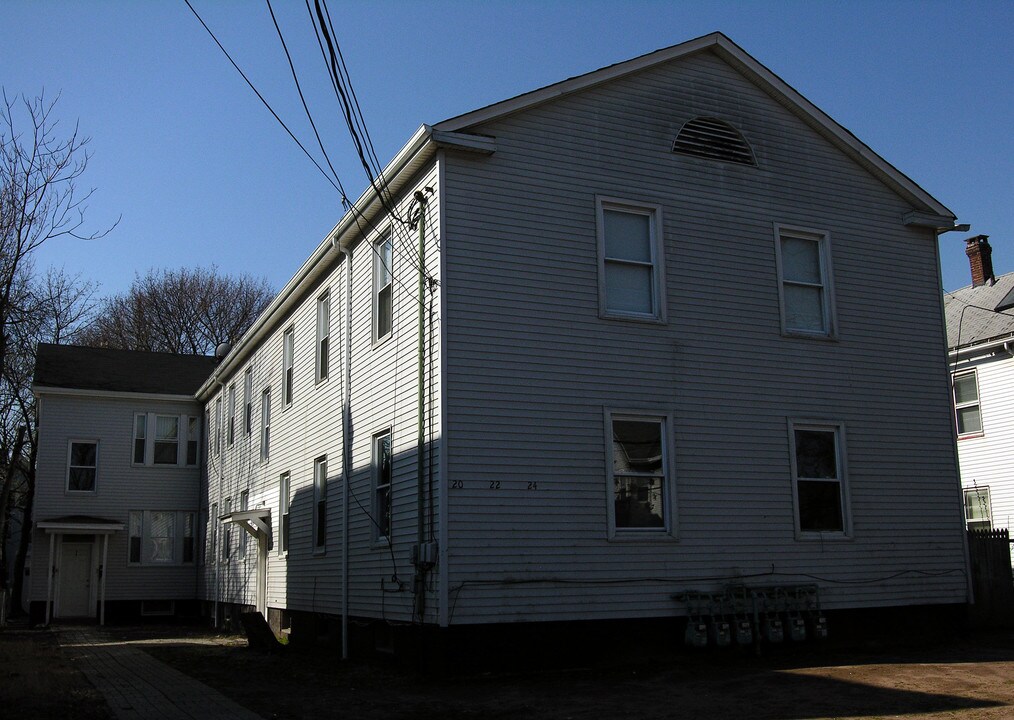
(75, 580)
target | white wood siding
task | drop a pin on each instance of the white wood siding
(531, 366)
(384, 395)
(986, 459)
(119, 488)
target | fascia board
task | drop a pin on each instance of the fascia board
(40, 390)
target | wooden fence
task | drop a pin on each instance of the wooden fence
(992, 581)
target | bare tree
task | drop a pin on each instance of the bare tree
(185, 311)
(39, 197)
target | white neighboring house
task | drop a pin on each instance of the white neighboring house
(655, 349)
(980, 343)
(117, 480)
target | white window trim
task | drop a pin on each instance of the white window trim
(322, 358)
(380, 539)
(989, 504)
(70, 451)
(823, 239)
(960, 406)
(318, 498)
(842, 457)
(386, 236)
(670, 530)
(288, 366)
(654, 211)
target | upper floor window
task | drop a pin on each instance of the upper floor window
(818, 477)
(382, 479)
(166, 445)
(82, 465)
(323, 335)
(978, 509)
(631, 277)
(383, 287)
(248, 401)
(288, 350)
(641, 487)
(232, 415)
(804, 282)
(714, 139)
(218, 425)
(320, 504)
(967, 412)
(265, 423)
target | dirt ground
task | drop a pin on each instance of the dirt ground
(971, 678)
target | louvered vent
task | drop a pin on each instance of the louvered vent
(713, 139)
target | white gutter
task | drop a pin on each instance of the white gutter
(986, 348)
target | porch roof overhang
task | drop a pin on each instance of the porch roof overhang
(79, 525)
(257, 522)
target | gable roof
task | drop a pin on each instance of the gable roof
(86, 368)
(754, 71)
(972, 317)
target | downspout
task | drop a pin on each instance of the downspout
(346, 445)
(218, 503)
(420, 569)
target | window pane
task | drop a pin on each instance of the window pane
(627, 235)
(628, 288)
(965, 389)
(383, 511)
(977, 505)
(804, 308)
(969, 420)
(167, 427)
(815, 454)
(639, 502)
(161, 534)
(820, 505)
(165, 453)
(801, 260)
(82, 479)
(82, 454)
(637, 446)
(384, 307)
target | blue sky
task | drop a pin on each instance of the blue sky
(202, 174)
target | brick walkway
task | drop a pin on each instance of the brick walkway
(139, 687)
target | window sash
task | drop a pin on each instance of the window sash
(248, 401)
(288, 346)
(265, 424)
(978, 508)
(82, 466)
(640, 474)
(804, 274)
(320, 503)
(323, 335)
(967, 411)
(231, 437)
(630, 260)
(283, 513)
(383, 288)
(140, 438)
(818, 479)
(383, 475)
(167, 440)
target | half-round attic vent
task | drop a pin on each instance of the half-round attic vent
(714, 139)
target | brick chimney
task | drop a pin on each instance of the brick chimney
(980, 258)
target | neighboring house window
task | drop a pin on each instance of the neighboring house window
(82, 465)
(966, 404)
(161, 537)
(978, 510)
(167, 440)
(323, 334)
(265, 424)
(232, 415)
(288, 348)
(140, 435)
(630, 260)
(227, 530)
(640, 474)
(320, 503)
(383, 288)
(244, 505)
(382, 477)
(283, 513)
(218, 425)
(248, 401)
(193, 439)
(804, 278)
(818, 477)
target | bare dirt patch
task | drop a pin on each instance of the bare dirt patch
(969, 679)
(36, 681)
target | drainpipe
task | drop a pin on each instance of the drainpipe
(346, 445)
(420, 569)
(218, 503)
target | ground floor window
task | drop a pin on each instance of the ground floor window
(640, 481)
(978, 510)
(160, 537)
(818, 477)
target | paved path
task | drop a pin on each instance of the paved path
(139, 687)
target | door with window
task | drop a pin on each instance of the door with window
(75, 577)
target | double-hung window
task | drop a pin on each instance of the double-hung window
(641, 488)
(967, 412)
(320, 504)
(248, 401)
(265, 424)
(818, 477)
(227, 530)
(804, 282)
(244, 505)
(232, 415)
(158, 440)
(283, 513)
(631, 269)
(82, 465)
(159, 537)
(212, 552)
(193, 439)
(383, 287)
(382, 477)
(288, 350)
(218, 425)
(167, 440)
(323, 335)
(978, 510)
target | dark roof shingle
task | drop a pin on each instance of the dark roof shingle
(86, 368)
(971, 313)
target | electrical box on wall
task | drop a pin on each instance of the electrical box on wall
(425, 555)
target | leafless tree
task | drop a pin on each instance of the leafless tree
(185, 311)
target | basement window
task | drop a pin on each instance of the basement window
(713, 139)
